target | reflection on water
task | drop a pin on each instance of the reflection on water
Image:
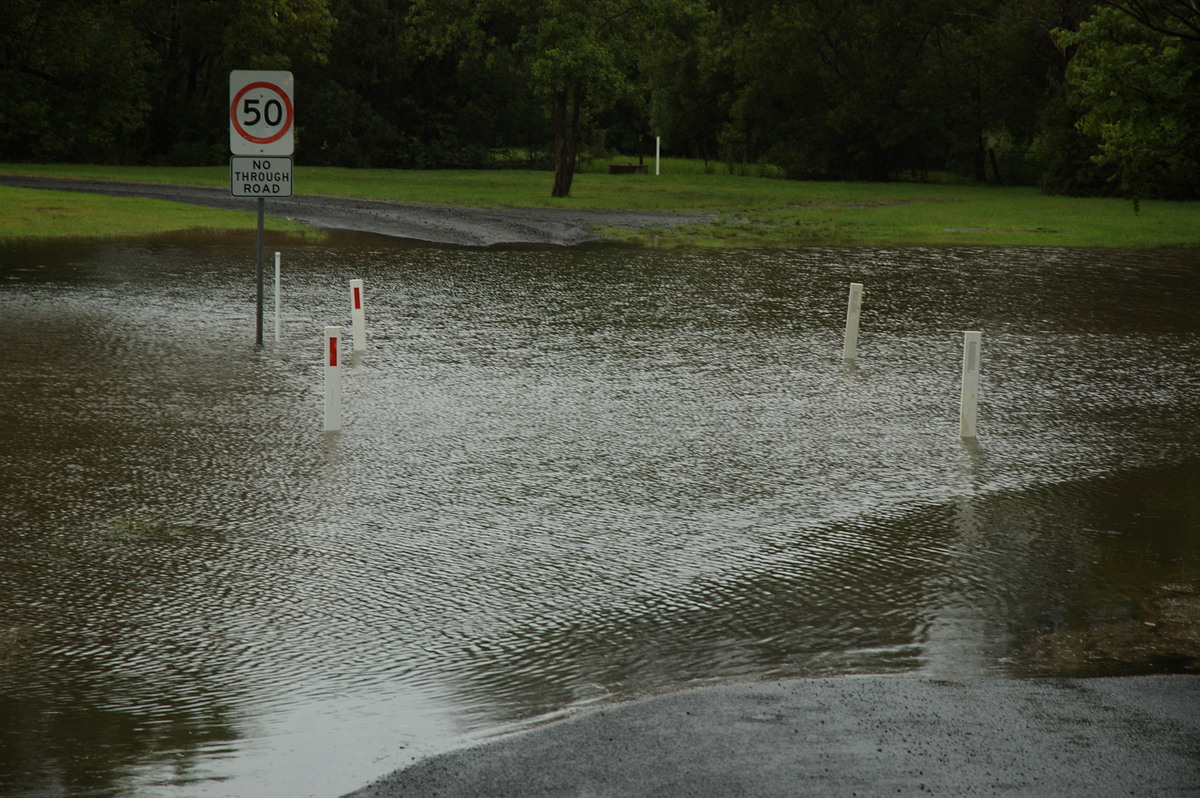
(565, 477)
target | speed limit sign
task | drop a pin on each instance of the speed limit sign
(261, 114)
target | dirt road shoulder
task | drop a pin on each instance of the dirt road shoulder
(431, 223)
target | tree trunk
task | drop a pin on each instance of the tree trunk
(566, 140)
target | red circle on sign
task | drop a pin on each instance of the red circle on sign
(287, 106)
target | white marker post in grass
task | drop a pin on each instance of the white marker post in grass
(853, 311)
(276, 297)
(970, 384)
(358, 321)
(333, 380)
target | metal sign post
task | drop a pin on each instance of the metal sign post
(262, 206)
(261, 126)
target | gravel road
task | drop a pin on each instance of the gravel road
(432, 223)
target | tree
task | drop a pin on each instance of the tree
(197, 43)
(72, 80)
(577, 53)
(860, 89)
(1137, 73)
(580, 56)
(838, 89)
(995, 72)
(691, 80)
(1177, 19)
(139, 79)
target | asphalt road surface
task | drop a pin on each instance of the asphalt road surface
(848, 736)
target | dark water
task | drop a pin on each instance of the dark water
(565, 478)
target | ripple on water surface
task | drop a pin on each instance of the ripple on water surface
(564, 477)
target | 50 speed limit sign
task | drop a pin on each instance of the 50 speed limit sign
(261, 114)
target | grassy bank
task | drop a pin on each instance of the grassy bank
(746, 211)
(33, 214)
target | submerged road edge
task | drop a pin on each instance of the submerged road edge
(844, 736)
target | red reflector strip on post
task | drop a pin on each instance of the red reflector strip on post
(358, 322)
(333, 380)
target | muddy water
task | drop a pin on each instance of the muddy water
(566, 477)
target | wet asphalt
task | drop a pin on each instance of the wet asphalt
(848, 736)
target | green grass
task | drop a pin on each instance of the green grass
(747, 211)
(34, 214)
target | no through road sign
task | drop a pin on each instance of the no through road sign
(261, 113)
(260, 177)
(261, 137)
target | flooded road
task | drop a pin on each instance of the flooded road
(565, 477)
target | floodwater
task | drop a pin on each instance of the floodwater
(565, 478)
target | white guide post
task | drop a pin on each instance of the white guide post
(333, 380)
(358, 322)
(970, 384)
(853, 311)
(657, 153)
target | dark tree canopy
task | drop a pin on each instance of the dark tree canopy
(1089, 96)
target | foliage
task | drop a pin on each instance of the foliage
(1138, 76)
(864, 90)
(579, 57)
(197, 43)
(28, 214)
(1079, 96)
(140, 79)
(73, 80)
